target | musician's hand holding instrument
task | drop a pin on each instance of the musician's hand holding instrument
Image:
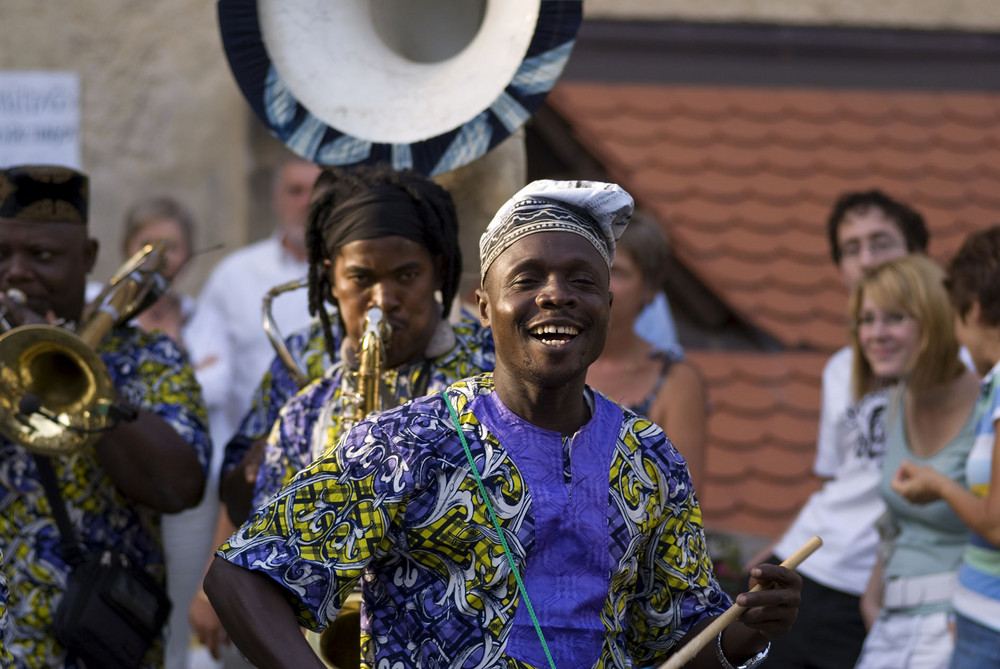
(767, 611)
(14, 311)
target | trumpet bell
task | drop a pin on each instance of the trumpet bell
(53, 388)
(56, 394)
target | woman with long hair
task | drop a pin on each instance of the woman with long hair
(904, 329)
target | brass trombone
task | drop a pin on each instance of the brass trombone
(56, 394)
(274, 335)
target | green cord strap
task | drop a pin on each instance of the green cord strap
(496, 524)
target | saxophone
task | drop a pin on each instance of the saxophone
(339, 645)
(371, 361)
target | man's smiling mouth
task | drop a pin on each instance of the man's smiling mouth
(554, 335)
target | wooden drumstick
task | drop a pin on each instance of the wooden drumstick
(704, 637)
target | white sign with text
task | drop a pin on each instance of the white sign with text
(39, 118)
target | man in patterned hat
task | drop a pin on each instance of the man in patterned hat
(516, 519)
(115, 489)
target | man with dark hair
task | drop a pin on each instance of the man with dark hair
(115, 489)
(865, 229)
(513, 519)
(228, 346)
(376, 237)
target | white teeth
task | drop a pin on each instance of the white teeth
(554, 342)
(555, 329)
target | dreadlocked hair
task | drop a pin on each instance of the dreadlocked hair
(435, 209)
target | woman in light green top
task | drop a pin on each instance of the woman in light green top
(904, 328)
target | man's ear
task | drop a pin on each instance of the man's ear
(483, 303)
(90, 249)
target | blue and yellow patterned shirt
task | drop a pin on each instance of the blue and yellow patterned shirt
(604, 529)
(5, 658)
(313, 419)
(307, 348)
(150, 372)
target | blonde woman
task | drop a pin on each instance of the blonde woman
(904, 329)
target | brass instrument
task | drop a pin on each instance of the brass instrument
(338, 645)
(271, 329)
(56, 394)
(371, 355)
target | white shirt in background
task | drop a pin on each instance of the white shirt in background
(226, 340)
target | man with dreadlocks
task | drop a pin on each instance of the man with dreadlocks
(308, 348)
(376, 237)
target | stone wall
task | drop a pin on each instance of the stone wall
(977, 15)
(160, 112)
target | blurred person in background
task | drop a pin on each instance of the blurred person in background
(904, 328)
(163, 219)
(225, 338)
(658, 384)
(974, 287)
(864, 228)
(187, 536)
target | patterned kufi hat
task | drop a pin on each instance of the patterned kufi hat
(597, 211)
(44, 193)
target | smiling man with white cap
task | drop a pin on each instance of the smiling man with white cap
(518, 519)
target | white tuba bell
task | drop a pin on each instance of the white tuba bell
(424, 84)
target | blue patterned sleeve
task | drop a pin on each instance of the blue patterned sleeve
(275, 389)
(5, 658)
(676, 586)
(308, 349)
(151, 372)
(317, 534)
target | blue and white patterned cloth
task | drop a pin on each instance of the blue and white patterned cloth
(314, 419)
(622, 572)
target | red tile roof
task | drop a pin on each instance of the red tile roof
(762, 436)
(742, 180)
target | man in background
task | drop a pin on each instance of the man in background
(865, 229)
(227, 342)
